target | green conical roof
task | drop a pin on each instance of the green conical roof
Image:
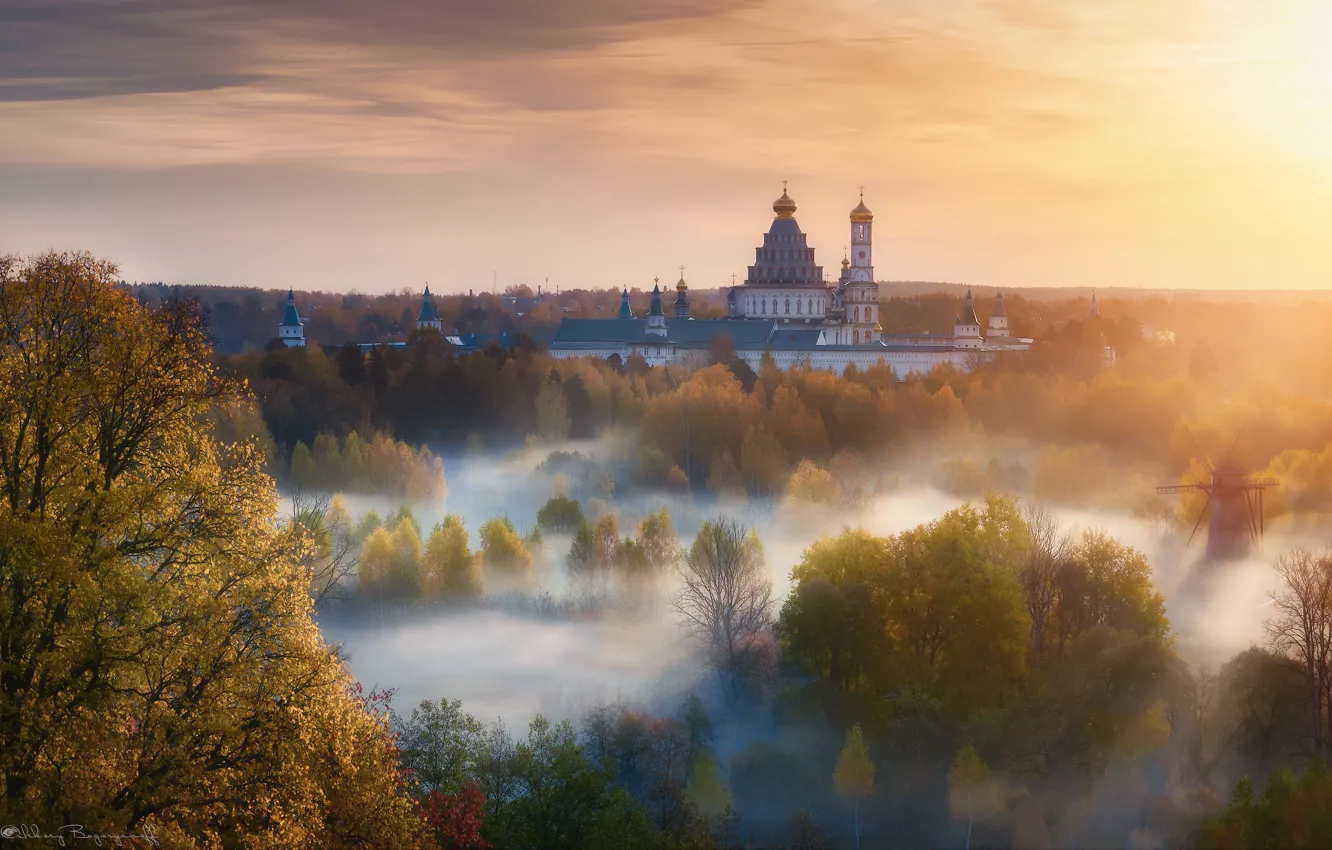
(291, 318)
(427, 313)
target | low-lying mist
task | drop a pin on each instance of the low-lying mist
(505, 656)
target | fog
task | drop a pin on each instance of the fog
(505, 659)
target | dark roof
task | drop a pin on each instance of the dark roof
(998, 305)
(795, 338)
(968, 316)
(427, 313)
(291, 318)
(683, 332)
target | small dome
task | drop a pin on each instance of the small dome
(861, 214)
(846, 263)
(784, 206)
(681, 286)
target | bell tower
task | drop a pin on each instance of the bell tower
(862, 241)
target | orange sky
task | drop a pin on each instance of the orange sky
(337, 144)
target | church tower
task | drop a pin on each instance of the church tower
(292, 329)
(862, 241)
(427, 317)
(656, 320)
(998, 319)
(860, 296)
(626, 312)
(966, 330)
(682, 297)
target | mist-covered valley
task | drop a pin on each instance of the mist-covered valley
(569, 646)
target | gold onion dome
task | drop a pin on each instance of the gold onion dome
(784, 206)
(861, 214)
(681, 286)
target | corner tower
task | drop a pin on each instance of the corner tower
(292, 330)
(427, 317)
(656, 320)
(966, 329)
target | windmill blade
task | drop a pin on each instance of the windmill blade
(1207, 460)
(1201, 517)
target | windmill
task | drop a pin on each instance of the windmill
(1235, 503)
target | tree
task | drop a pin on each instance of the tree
(1301, 628)
(456, 819)
(351, 364)
(811, 485)
(159, 667)
(971, 793)
(725, 596)
(331, 558)
(1050, 549)
(561, 799)
(854, 775)
(440, 745)
(552, 412)
(503, 550)
(657, 539)
(1292, 812)
(833, 623)
(304, 474)
(707, 791)
(560, 515)
(450, 568)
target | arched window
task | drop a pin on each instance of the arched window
(800, 306)
(855, 314)
(788, 306)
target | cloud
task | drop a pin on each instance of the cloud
(60, 49)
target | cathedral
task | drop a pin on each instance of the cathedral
(785, 309)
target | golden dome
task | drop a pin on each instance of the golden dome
(784, 206)
(861, 214)
(681, 286)
(846, 263)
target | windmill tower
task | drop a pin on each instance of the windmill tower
(1234, 507)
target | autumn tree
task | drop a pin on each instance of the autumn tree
(833, 622)
(1301, 628)
(560, 514)
(503, 550)
(658, 540)
(1046, 555)
(972, 793)
(159, 665)
(331, 557)
(552, 412)
(854, 775)
(450, 568)
(725, 597)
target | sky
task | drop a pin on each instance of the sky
(340, 145)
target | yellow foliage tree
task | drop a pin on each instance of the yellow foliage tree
(854, 775)
(161, 672)
(450, 567)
